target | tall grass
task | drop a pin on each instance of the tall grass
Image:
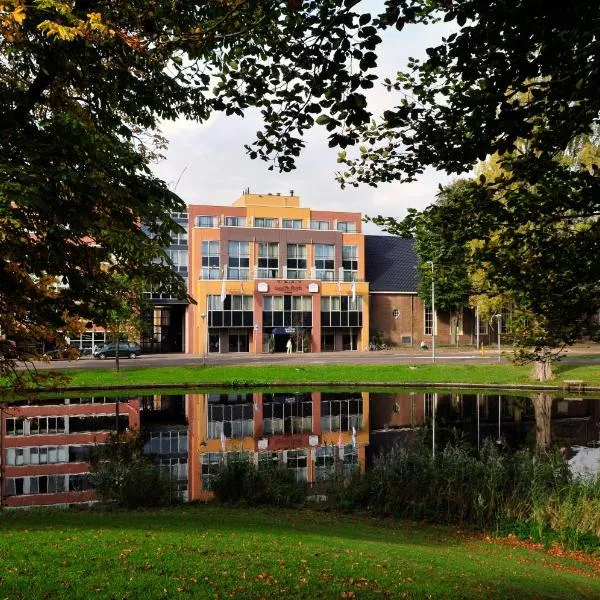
(482, 489)
(486, 489)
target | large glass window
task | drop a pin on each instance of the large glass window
(350, 262)
(268, 260)
(341, 411)
(296, 261)
(231, 415)
(325, 261)
(239, 260)
(341, 311)
(233, 311)
(287, 311)
(211, 266)
(286, 414)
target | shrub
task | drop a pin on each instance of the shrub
(122, 474)
(241, 481)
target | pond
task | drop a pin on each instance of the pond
(45, 444)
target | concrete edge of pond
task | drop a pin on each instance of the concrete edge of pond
(279, 384)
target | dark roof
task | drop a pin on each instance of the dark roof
(391, 264)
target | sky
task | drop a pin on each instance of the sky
(206, 163)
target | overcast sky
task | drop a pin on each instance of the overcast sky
(209, 162)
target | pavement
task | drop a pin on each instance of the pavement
(581, 354)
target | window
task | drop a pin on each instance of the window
(239, 260)
(206, 221)
(396, 313)
(483, 326)
(341, 411)
(349, 459)
(211, 462)
(263, 222)
(346, 226)
(296, 261)
(325, 261)
(234, 311)
(460, 322)
(297, 461)
(324, 463)
(235, 221)
(505, 324)
(429, 321)
(239, 341)
(291, 223)
(167, 442)
(179, 258)
(179, 239)
(322, 225)
(341, 311)
(287, 311)
(231, 415)
(268, 260)
(179, 216)
(211, 260)
(350, 262)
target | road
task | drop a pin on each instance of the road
(584, 355)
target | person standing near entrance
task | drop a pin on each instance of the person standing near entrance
(289, 346)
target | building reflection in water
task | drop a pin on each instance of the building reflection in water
(571, 422)
(312, 434)
(45, 446)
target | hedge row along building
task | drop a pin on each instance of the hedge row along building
(266, 271)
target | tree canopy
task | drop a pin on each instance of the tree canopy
(83, 86)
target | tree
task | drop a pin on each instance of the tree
(121, 308)
(83, 86)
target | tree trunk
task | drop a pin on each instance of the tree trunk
(542, 370)
(542, 406)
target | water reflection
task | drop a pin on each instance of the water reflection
(45, 445)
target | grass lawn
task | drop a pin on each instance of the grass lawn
(216, 552)
(503, 374)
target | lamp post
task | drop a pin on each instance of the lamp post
(202, 332)
(499, 320)
(430, 262)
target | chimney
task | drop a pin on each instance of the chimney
(291, 192)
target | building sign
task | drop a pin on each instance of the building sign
(313, 288)
(262, 287)
(288, 287)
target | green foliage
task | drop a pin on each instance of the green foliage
(240, 481)
(123, 475)
(484, 489)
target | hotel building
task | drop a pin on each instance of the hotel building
(266, 270)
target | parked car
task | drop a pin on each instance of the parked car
(126, 349)
(67, 353)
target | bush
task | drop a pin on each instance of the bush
(241, 481)
(122, 474)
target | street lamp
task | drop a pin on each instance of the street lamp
(203, 331)
(499, 319)
(430, 262)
